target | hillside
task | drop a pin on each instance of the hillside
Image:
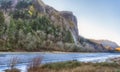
(31, 25)
(107, 44)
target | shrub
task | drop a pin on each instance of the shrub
(12, 65)
(23, 14)
(71, 47)
(68, 37)
(2, 18)
(23, 4)
(34, 65)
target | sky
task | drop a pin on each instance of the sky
(97, 19)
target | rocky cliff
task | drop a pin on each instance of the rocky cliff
(41, 27)
(91, 45)
(37, 26)
(107, 44)
(64, 18)
(67, 20)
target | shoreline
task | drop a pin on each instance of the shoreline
(57, 52)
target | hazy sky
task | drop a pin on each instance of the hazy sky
(97, 19)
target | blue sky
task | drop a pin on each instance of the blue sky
(97, 19)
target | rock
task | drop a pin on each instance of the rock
(64, 19)
(107, 44)
(67, 21)
(91, 45)
(39, 5)
(72, 23)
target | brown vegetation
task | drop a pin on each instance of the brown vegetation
(35, 64)
(12, 65)
(12, 70)
(74, 66)
(82, 67)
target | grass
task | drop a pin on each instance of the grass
(74, 66)
(62, 65)
(12, 70)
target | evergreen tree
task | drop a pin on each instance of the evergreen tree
(2, 19)
(6, 4)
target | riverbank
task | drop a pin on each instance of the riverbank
(56, 52)
(72, 66)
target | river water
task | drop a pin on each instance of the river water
(25, 58)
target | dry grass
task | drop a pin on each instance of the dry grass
(13, 70)
(81, 67)
(86, 69)
(35, 64)
(13, 62)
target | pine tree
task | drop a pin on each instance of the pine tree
(2, 19)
